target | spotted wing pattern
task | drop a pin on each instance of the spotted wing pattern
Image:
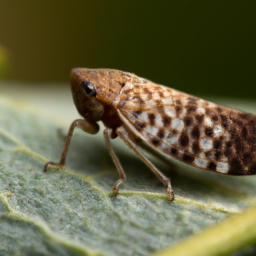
(195, 131)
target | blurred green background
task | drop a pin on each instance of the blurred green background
(200, 47)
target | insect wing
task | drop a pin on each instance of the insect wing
(192, 130)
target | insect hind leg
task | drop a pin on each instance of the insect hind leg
(122, 133)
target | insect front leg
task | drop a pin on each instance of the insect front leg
(86, 126)
(108, 133)
(122, 133)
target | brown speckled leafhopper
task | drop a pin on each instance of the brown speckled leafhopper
(190, 129)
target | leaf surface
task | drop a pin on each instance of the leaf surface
(73, 212)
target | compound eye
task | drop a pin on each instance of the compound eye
(88, 88)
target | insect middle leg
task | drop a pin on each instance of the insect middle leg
(108, 133)
(122, 133)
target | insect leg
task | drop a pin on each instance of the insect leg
(86, 126)
(122, 133)
(107, 135)
(156, 154)
(139, 142)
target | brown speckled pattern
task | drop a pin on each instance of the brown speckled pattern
(192, 130)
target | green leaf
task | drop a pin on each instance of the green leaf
(73, 212)
(221, 239)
